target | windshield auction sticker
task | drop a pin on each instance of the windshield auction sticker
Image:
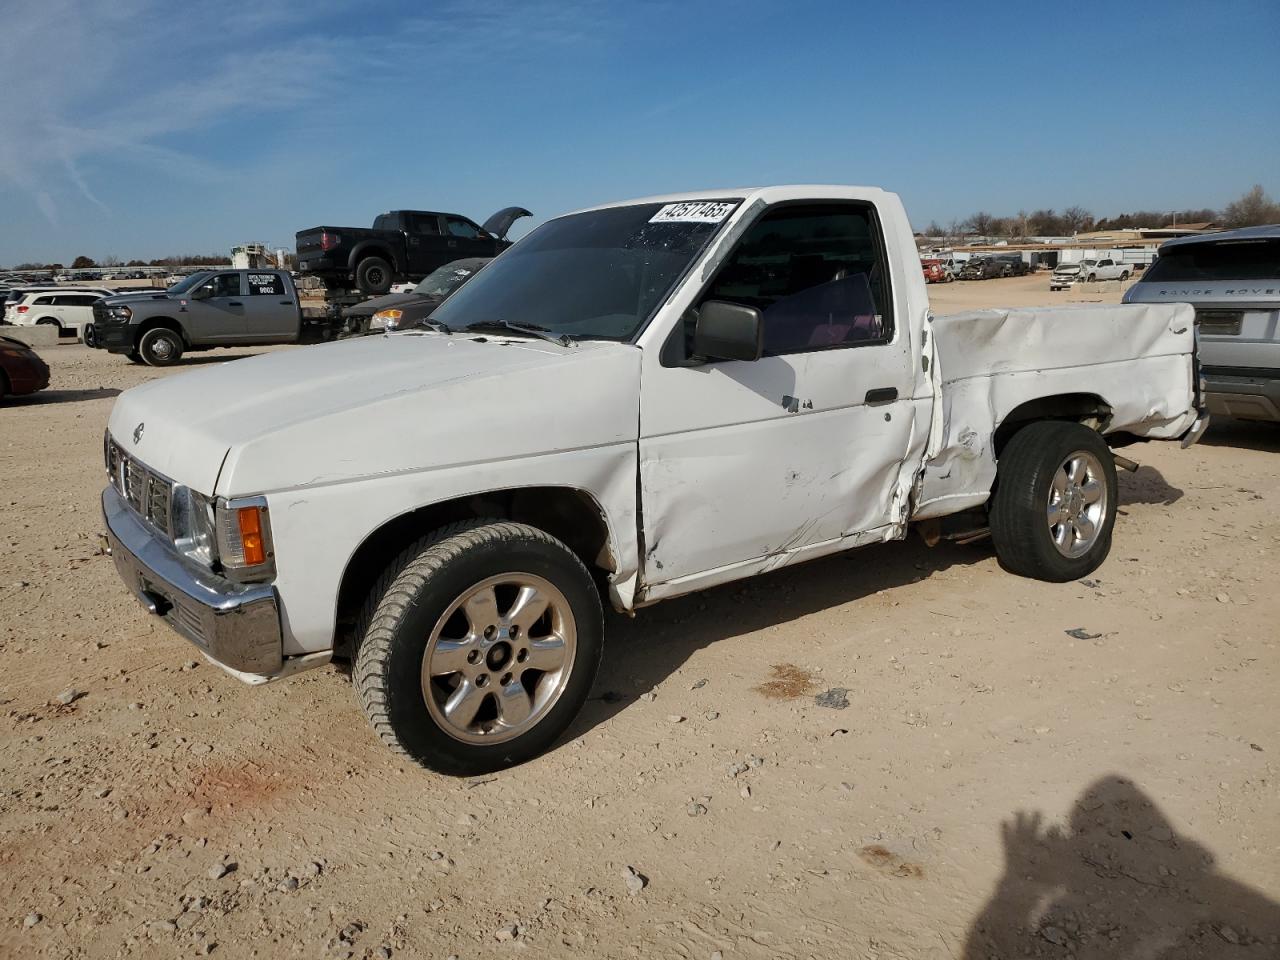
(694, 211)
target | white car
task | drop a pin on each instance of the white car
(67, 308)
(633, 402)
(1104, 269)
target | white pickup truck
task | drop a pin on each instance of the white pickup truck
(634, 402)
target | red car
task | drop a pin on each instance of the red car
(21, 371)
(935, 271)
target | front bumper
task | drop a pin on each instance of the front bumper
(235, 625)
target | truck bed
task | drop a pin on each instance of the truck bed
(1137, 360)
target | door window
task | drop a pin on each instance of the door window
(818, 275)
(77, 300)
(266, 285)
(226, 285)
(463, 228)
(424, 225)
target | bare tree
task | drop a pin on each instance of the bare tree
(1077, 219)
(1252, 209)
(980, 223)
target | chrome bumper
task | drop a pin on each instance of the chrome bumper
(235, 625)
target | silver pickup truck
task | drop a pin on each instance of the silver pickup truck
(1233, 281)
(210, 308)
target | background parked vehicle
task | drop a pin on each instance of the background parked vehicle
(1012, 265)
(981, 268)
(1233, 281)
(67, 308)
(1106, 268)
(21, 369)
(402, 311)
(1064, 275)
(401, 245)
(212, 308)
(935, 271)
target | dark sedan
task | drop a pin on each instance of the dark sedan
(402, 311)
(21, 370)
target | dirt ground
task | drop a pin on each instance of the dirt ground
(894, 753)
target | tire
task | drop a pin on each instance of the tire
(373, 275)
(418, 606)
(135, 357)
(89, 335)
(1124, 274)
(1092, 278)
(50, 322)
(160, 347)
(1034, 485)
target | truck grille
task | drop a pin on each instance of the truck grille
(145, 490)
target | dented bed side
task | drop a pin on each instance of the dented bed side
(1137, 360)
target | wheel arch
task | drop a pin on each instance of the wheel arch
(372, 248)
(1085, 408)
(567, 513)
(169, 323)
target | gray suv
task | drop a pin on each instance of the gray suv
(1233, 281)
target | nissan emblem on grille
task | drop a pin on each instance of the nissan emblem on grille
(137, 432)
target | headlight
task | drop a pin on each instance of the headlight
(244, 539)
(123, 312)
(191, 519)
(384, 318)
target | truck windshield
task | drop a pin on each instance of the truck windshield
(444, 280)
(596, 275)
(1226, 260)
(182, 286)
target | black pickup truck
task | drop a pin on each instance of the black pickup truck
(402, 245)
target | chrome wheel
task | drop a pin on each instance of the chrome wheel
(1077, 507)
(498, 658)
(162, 349)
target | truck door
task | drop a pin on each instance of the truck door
(742, 460)
(219, 316)
(425, 242)
(271, 311)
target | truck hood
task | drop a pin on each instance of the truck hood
(124, 298)
(378, 406)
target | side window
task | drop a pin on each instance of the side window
(266, 285)
(226, 285)
(46, 301)
(424, 225)
(462, 228)
(80, 299)
(818, 275)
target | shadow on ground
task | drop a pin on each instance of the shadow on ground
(1117, 881)
(1245, 434)
(45, 397)
(643, 651)
(1146, 485)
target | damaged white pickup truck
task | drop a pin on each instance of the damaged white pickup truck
(633, 402)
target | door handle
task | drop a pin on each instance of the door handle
(235, 303)
(286, 303)
(882, 395)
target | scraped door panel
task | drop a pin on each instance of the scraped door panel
(745, 460)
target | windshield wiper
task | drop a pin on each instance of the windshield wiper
(532, 329)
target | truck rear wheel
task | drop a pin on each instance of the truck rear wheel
(373, 275)
(1055, 501)
(478, 647)
(160, 347)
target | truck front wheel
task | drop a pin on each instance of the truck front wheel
(373, 275)
(478, 646)
(160, 347)
(1055, 502)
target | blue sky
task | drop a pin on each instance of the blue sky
(137, 129)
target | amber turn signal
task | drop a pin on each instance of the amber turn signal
(250, 522)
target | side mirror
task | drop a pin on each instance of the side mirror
(728, 331)
(202, 293)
